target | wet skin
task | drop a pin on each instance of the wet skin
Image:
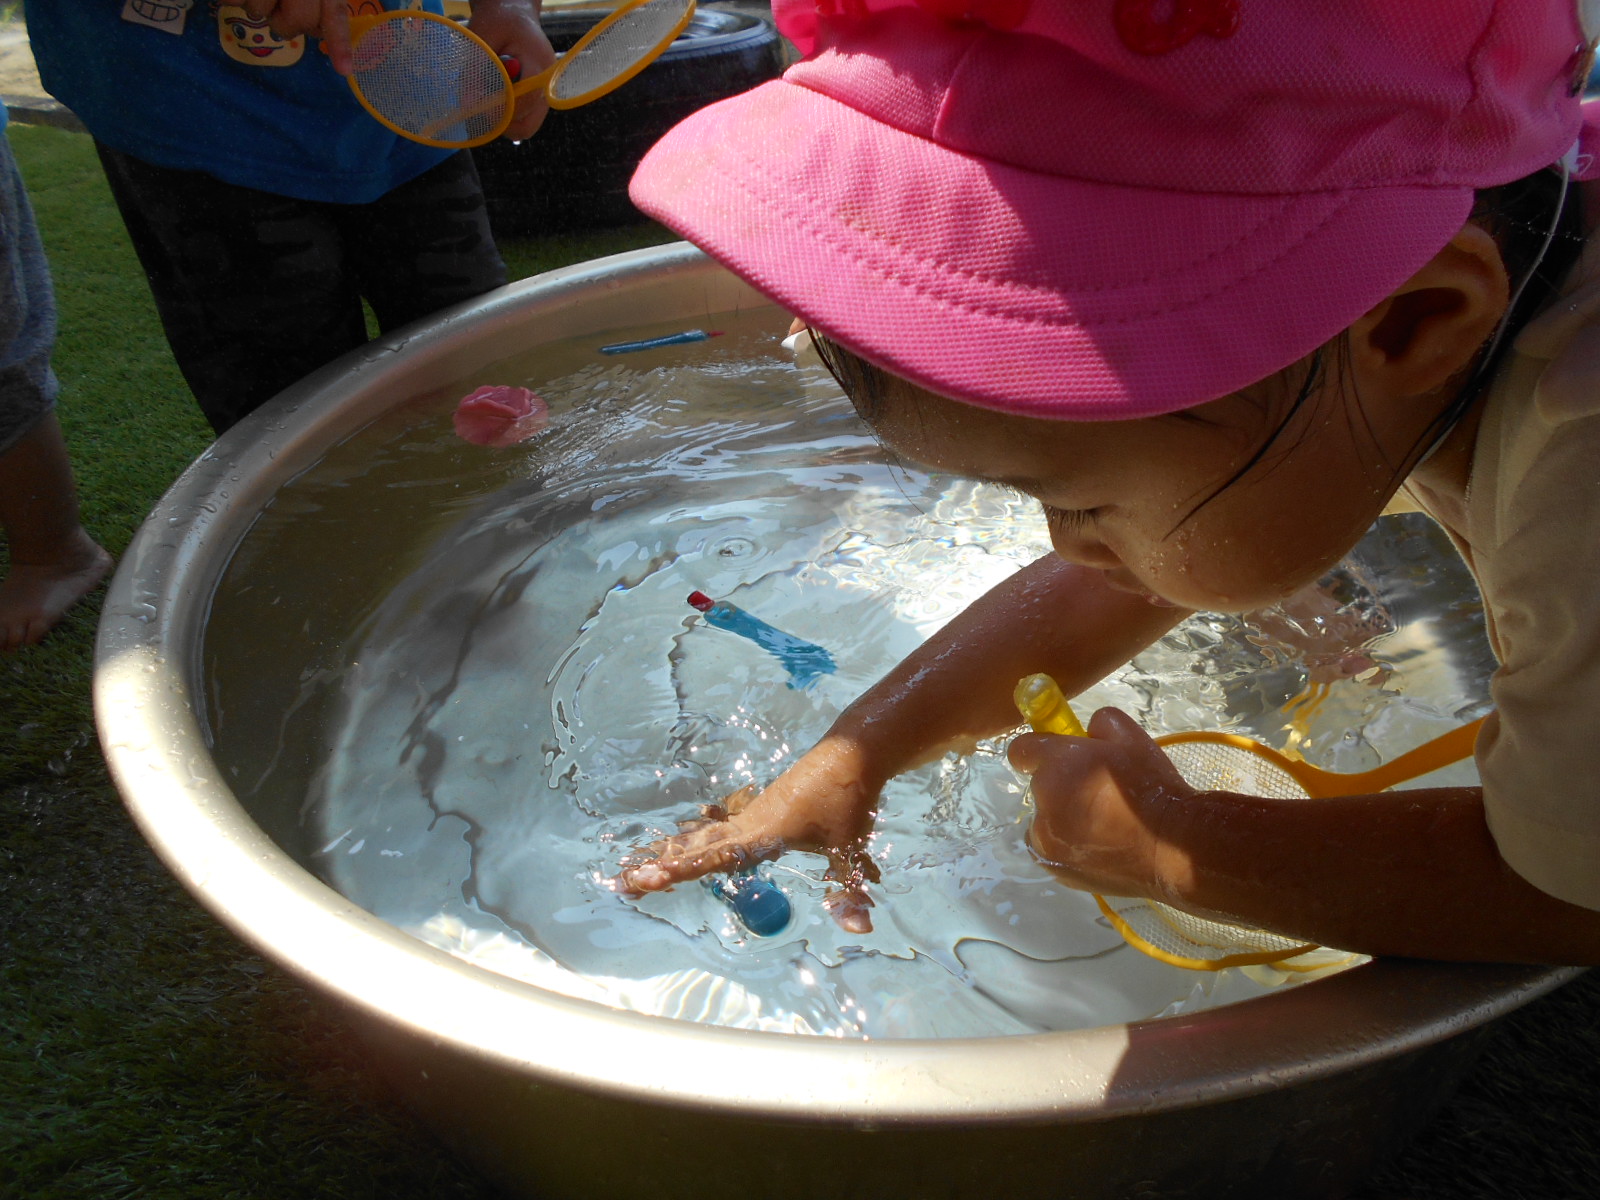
(1143, 535)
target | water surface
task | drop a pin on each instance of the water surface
(499, 691)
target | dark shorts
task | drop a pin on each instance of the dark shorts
(27, 311)
(256, 290)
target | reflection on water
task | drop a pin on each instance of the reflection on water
(461, 684)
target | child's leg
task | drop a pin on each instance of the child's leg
(54, 562)
(424, 245)
(254, 290)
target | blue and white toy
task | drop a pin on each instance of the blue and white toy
(806, 662)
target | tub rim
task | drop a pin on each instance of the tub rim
(146, 688)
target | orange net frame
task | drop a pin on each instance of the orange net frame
(617, 50)
(435, 81)
(431, 80)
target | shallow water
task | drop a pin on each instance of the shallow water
(503, 692)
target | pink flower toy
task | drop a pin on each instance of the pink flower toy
(500, 415)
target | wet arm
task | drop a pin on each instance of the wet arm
(1412, 873)
(956, 688)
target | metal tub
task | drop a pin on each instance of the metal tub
(1296, 1094)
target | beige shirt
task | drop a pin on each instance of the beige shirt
(1530, 531)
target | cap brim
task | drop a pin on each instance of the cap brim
(1024, 292)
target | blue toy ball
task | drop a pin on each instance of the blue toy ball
(760, 904)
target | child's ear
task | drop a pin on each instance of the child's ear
(1433, 324)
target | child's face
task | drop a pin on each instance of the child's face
(1125, 496)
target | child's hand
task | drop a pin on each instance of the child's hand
(1105, 806)
(511, 28)
(328, 20)
(820, 804)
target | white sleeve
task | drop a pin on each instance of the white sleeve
(1539, 757)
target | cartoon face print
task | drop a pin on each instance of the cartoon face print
(165, 15)
(251, 41)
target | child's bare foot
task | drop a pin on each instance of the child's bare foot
(35, 596)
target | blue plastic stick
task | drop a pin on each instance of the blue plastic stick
(671, 339)
(805, 661)
(760, 904)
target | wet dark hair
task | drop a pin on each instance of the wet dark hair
(1537, 222)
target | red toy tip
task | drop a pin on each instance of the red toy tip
(713, 333)
(700, 600)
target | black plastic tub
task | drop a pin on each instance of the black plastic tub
(573, 174)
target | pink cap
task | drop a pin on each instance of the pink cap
(1100, 209)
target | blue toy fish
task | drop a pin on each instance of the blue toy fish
(805, 661)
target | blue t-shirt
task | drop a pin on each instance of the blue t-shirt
(197, 85)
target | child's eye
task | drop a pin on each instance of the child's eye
(1071, 519)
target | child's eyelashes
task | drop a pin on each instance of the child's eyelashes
(1070, 520)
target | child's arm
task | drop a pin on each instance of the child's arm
(952, 691)
(1412, 873)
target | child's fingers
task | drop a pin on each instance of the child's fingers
(820, 804)
(710, 850)
(733, 843)
(1029, 751)
(849, 908)
(529, 116)
(740, 800)
(1112, 724)
(326, 20)
(852, 869)
(334, 28)
(513, 31)
(1114, 738)
(1096, 802)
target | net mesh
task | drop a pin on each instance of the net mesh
(430, 79)
(633, 38)
(1219, 767)
(1178, 934)
(1192, 940)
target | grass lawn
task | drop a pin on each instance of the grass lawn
(145, 1053)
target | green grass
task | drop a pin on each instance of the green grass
(146, 1053)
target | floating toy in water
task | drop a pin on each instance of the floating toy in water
(805, 661)
(500, 415)
(760, 904)
(671, 339)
